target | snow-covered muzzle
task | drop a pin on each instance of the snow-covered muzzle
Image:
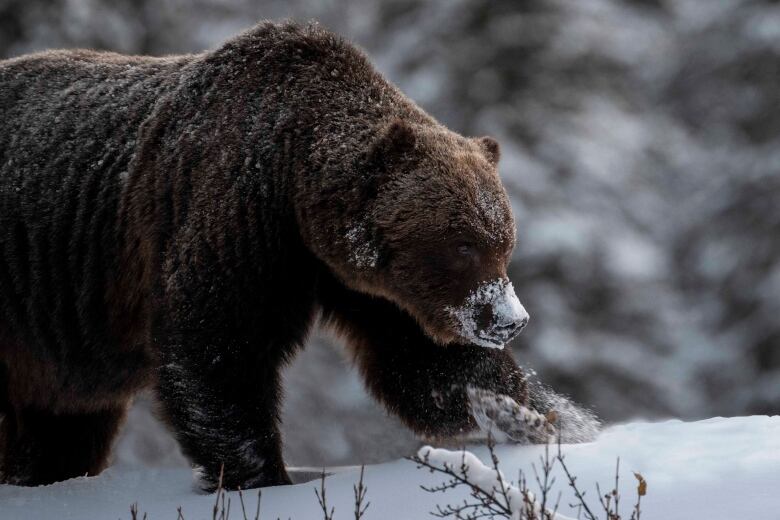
(491, 315)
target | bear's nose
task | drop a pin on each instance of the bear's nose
(509, 315)
(509, 330)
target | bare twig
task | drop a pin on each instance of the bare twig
(360, 496)
(134, 512)
(496, 502)
(259, 497)
(641, 490)
(616, 491)
(243, 505)
(573, 485)
(485, 501)
(323, 500)
(215, 510)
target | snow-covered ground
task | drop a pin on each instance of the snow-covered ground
(712, 469)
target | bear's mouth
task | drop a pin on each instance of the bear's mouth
(488, 341)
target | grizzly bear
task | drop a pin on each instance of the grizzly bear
(180, 223)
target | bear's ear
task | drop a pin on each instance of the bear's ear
(396, 140)
(393, 143)
(491, 149)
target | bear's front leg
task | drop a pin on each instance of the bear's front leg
(436, 390)
(224, 408)
(223, 331)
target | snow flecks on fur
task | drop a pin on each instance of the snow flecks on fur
(362, 252)
(574, 424)
(505, 307)
(491, 207)
(206, 412)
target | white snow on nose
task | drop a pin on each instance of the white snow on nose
(507, 308)
(500, 295)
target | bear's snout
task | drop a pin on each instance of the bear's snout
(491, 315)
(509, 316)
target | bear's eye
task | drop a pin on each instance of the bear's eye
(462, 256)
(465, 249)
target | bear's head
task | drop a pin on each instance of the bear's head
(433, 232)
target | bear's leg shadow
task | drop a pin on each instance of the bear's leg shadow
(423, 383)
(40, 447)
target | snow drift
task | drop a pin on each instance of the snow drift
(714, 469)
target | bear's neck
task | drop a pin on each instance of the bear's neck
(334, 185)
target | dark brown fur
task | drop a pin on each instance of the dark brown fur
(179, 222)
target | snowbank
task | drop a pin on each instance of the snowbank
(713, 469)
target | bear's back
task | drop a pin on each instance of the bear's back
(68, 126)
(76, 128)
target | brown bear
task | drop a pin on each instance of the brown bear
(180, 223)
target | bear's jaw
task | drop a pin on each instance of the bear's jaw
(487, 342)
(507, 316)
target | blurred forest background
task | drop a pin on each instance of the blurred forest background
(641, 149)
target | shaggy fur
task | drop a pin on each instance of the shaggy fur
(179, 223)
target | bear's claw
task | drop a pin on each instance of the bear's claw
(503, 418)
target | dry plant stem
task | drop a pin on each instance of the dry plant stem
(215, 509)
(487, 501)
(641, 490)
(134, 512)
(616, 491)
(494, 461)
(492, 504)
(221, 510)
(360, 496)
(573, 485)
(637, 511)
(495, 503)
(545, 483)
(243, 505)
(259, 497)
(241, 500)
(606, 500)
(321, 498)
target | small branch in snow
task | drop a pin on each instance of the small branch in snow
(546, 482)
(221, 510)
(322, 499)
(641, 490)
(610, 501)
(134, 512)
(581, 504)
(493, 496)
(360, 496)
(243, 507)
